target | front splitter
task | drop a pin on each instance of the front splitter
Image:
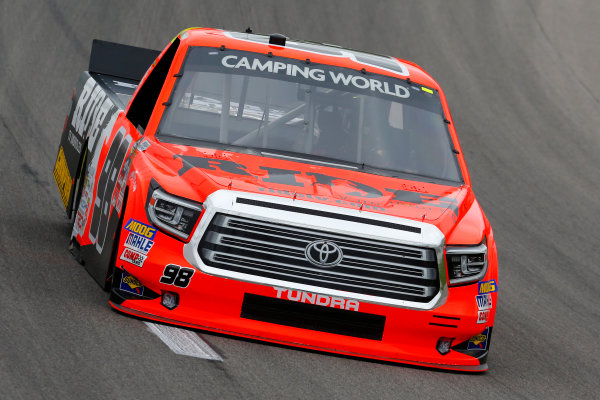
(145, 315)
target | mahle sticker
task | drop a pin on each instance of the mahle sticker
(138, 243)
(484, 301)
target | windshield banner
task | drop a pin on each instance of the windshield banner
(254, 64)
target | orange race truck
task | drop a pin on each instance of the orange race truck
(287, 191)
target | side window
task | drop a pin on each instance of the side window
(143, 104)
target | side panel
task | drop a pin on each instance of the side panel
(102, 196)
(92, 111)
(95, 144)
(70, 151)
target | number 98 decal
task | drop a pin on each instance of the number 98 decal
(176, 275)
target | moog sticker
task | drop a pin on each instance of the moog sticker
(140, 228)
(488, 286)
(140, 236)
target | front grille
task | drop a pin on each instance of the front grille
(277, 251)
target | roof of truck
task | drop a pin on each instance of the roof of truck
(310, 51)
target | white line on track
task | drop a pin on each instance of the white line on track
(183, 341)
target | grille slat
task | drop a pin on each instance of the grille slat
(259, 244)
(277, 251)
(350, 262)
(330, 275)
(392, 268)
(343, 241)
(345, 284)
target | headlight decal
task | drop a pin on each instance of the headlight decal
(466, 264)
(175, 215)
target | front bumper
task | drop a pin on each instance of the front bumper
(408, 336)
(305, 316)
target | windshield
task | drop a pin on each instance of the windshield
(315, 111)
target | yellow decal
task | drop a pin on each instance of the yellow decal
(479, 338)
(132, 282)
(487, 286)
(426, 90)
(183, 34)
(141, 229)
(63, 177)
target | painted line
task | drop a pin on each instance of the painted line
(183, 341)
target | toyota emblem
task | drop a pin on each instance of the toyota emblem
(324, 253)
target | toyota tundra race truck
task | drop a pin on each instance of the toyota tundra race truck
(280, 190)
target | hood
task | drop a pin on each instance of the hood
(201, 171)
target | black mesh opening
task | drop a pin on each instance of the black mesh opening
(313, 317)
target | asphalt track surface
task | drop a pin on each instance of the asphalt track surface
(522, 82)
